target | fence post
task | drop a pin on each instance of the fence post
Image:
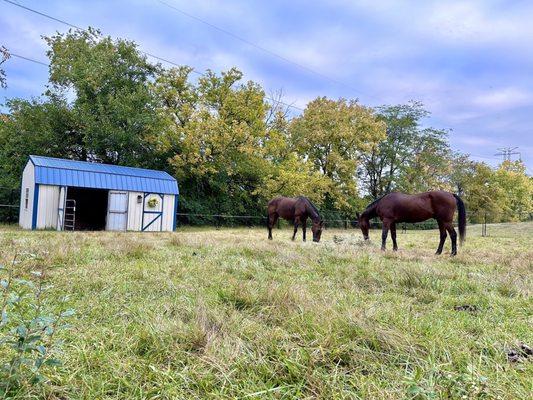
(484, 226)
(11, 217)
(345, 224)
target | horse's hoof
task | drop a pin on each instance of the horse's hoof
(383, 249)
(395, 249)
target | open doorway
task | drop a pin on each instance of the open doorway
(91, 208)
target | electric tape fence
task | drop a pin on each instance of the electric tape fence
(333, 219)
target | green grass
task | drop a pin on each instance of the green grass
(228, 314)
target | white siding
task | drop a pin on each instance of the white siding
(28, 182)
(168, 213)
(47, 207)
(135, 211)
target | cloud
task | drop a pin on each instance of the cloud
(469, 61)
(505, 98)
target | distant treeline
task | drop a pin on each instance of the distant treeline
(230, 145)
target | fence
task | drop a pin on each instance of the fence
(9, 207)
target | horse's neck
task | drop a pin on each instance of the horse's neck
(371, 212)
(311, 211)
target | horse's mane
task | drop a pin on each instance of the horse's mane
(311, 204)
(370, 208)
(374, 202)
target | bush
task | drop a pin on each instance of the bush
(30, 321)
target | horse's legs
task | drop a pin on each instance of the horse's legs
(272, 219)
(453, 236)
(384, 233)
(296, 223)
(443, 235)
(304, 227)
(393, 236)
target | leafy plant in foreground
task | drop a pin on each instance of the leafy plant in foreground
(30, 320)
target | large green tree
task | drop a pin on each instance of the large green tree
(110, 80)
(411, 158)
(215, 137)
(333, 135)
(45, 127)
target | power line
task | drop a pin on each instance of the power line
(28, 59)
(275, 101)
(265, 50)
(43, 14)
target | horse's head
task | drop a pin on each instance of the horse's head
(364, 224)
(317, 229)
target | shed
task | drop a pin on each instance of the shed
(76, 195)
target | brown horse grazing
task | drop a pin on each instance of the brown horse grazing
(296, 210)
(398, 207)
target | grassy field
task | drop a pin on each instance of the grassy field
(227, 314)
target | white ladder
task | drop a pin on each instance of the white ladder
(70, 215)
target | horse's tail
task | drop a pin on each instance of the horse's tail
(462, 218)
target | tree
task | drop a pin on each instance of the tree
(216, 132)
(408, 151)
(4, 56)
(113, 102)
(332, 135)
(482, 194)
(518, 189)
(36, 127)
(289, 174)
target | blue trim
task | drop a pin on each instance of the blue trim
(142, 216)
(162, 210)
(175, 213)
(160, 213)
(152, 221)
(35, 205)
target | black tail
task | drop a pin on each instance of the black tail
(461, 219)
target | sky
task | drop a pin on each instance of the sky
(468, 62)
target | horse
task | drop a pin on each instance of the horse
(297, 210)
(399, 207)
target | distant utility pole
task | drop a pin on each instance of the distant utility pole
(507, 152)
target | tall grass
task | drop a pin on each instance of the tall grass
(227, 314)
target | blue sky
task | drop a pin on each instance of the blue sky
(469, 62)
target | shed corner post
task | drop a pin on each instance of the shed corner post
(175, 220)
(35, 207)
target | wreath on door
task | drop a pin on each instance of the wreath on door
(153, 202)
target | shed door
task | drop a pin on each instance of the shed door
(61, 208)
(117, 211)
(152, 212)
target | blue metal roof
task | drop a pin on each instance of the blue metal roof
(62, 172)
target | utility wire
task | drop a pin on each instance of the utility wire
(275, 101)
(28, 59)
(43, 14)
(265, 50)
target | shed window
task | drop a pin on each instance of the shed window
(26, 198)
